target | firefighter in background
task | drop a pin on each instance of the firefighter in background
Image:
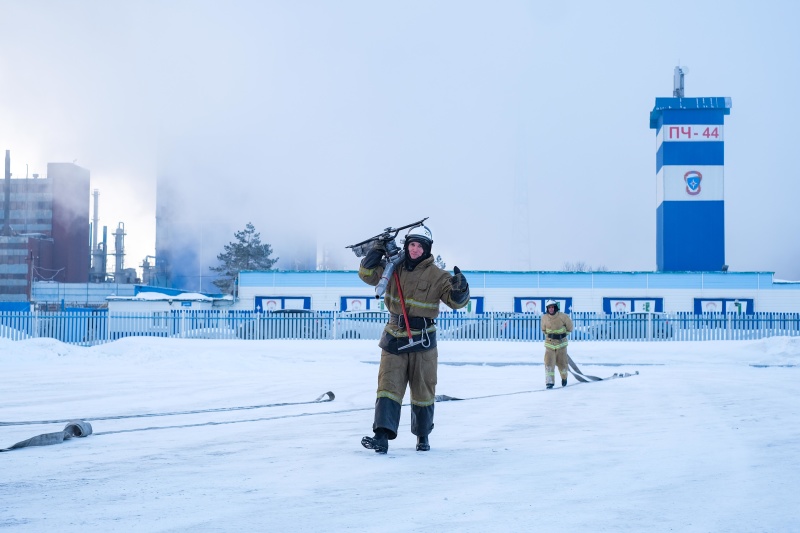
(410, 363)
(555, 326)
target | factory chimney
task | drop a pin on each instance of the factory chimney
(7, 231)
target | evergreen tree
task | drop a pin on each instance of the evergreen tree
(246, 253)
(438, 262)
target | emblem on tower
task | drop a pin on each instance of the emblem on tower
(692, 179)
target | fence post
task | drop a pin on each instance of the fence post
(728, 332)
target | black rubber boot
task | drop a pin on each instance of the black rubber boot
(563, 382)
(549, 385)
(422, 419)
(379, 442)
(387, 417)
(422, 444)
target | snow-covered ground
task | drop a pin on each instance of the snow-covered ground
(705, 438)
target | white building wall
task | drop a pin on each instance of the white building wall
(327, 298)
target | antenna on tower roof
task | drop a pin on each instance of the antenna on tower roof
(677, 90)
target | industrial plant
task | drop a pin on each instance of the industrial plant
(47, 238)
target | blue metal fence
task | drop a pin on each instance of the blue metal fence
(89, 327)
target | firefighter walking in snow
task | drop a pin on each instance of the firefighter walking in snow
(555, 326)
(410, 361)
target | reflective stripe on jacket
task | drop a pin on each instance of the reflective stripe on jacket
(554, 326)
(423, 289)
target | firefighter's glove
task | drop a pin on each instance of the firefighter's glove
(373, 258)
(460, 287)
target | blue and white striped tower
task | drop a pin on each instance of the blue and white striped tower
(690, 159)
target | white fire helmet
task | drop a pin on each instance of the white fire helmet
(420, 234)
(548, 303)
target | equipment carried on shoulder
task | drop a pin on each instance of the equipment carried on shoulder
(386, 242)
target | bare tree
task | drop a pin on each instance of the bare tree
(582, 266)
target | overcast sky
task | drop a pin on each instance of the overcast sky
(520, 128)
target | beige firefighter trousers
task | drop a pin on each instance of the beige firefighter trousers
(553, 358)
(416, 369)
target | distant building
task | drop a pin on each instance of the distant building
(190, 236)
(54, 296)
(179, 242)
(45, 230)
(527, 292)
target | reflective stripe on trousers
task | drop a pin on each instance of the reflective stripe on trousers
(551, 359)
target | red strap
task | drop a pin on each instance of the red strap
(403, 303)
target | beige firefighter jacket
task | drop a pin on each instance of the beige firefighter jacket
(423, 289)
(555, 328)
